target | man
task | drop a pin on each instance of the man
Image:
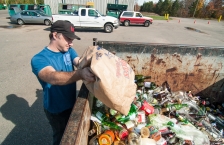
(54, 69)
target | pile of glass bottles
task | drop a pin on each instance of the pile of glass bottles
(158, 116)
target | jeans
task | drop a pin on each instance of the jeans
(58, 122)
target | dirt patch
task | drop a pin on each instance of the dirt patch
(150, 14)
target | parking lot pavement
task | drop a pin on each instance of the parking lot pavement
(22, 120)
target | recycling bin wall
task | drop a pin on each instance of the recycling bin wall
(195, 68)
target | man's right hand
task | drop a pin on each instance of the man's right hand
(87, 75)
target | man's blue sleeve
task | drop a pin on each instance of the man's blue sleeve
(73, 54)
(38, 63)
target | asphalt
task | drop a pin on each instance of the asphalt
(22, 120)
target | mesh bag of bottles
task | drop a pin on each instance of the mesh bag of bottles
(114, 84)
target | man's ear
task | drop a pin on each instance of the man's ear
(55, 36)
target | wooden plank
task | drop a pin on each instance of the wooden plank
(76, 132)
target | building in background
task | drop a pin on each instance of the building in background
(100, 5)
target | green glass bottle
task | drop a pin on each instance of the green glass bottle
(131, 114)
(111, 125)
(181, 119)
(170, 123)
(172, 107)
(140, 79)
(100, 115)
(179, 106)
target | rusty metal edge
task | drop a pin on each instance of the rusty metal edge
(101, 42)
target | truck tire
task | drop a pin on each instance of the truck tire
(20, 22)
(146, 24)
(126, 23)
(47, 22)
(108, 28)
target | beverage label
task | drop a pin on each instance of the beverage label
(147, 84)
(99, 115)
(141, 117)
(152, 130)
(123, 134)
(147, 108)
(129, 124)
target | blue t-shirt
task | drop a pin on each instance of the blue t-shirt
(56, 98)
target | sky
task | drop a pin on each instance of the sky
(140, 2)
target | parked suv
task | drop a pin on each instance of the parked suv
(134, 18)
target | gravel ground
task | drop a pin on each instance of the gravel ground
(22, 120)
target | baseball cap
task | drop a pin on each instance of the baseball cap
(64, 27)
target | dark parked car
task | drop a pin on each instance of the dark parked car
(30, 16)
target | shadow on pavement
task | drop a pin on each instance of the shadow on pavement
(31, 125)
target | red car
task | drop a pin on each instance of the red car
(134, 18)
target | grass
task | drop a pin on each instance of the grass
(154, 16)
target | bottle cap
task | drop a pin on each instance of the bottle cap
(145, 133)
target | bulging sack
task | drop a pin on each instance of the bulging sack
(114, 84)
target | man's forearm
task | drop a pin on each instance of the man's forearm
(64, 78)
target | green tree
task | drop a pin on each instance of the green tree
(192, 8)
(147, 7)
(175, 8)
(166, 7)
(158, 7)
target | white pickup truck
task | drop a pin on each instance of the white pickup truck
(89, 17)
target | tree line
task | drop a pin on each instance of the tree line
(186, 8)
(21, 2)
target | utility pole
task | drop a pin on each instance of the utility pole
(195, 8)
